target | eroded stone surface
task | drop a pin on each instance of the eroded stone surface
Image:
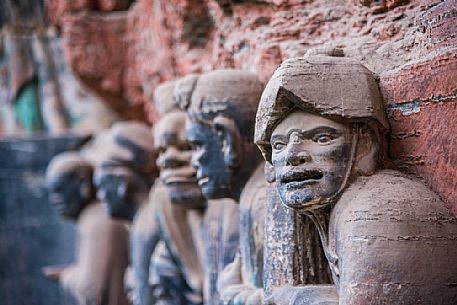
(374, 225)
(411, 43)
(420, 140)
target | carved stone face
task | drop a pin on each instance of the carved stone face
(213, 172)
(176, 171)
(69, 192)
(310, 155)
(115, 189)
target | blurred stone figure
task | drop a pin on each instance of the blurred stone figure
(241, 282)
(97, 275)
(179, 203)
(123, 178)
(124, 175)
(69, 184)
(221, 109)
(321, 124)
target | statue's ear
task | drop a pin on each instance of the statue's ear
(230, 138)
(367, 151)
(269, 172)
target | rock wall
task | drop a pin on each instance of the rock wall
(39, 93)
(409, 44)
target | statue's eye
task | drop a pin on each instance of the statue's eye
(195, 146)
(323, 138)
(278, 145)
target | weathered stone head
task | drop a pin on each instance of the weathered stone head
(124, 175)
(164, 100)
(221, 108)
(174, 151)
(320, 123)
(69, 183)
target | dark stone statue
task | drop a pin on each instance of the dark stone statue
(97, 275)
(123, 176)
(176, 172)
(321, 125)
(241, 282)
(69, 184)
(179, 206)
(220, 109)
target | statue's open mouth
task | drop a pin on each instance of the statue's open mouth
(178, 179)
(181, 175)
(302, 177)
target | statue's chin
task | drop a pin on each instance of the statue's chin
(301, 201)
(189, 199)
(211, 192)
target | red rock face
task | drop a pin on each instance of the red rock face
(422, 142)
(424, 80)
(421, 98)
(96, 47)
(410, 44)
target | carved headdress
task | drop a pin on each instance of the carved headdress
(337, 87)
(164, 100)
(126, 143)
(66, 162)
(232, 93)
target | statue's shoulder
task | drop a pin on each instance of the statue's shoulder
(95, 222)
(392, 192)
(92, 213)
(388, 226)
(254, 192)
(158, 194)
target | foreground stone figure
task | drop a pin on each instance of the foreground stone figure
(179, 206)
(321, 124)
(123, 176)
(97, 275)
(220, 109)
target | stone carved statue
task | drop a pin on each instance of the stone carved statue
(123, 177)
(220, 109)
(179, 207)
(321, 125)
(69, 184)
(241, 282)
(124, 174)
(103, 243)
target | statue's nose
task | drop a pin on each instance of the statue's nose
(295, 158)
(170, 159)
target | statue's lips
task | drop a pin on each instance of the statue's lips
(202, 180)
(300, 178)
(178, 179)
(181, 175)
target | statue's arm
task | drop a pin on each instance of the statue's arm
(304, 295)
(232, 288)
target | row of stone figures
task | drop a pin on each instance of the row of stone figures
(280, 197)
